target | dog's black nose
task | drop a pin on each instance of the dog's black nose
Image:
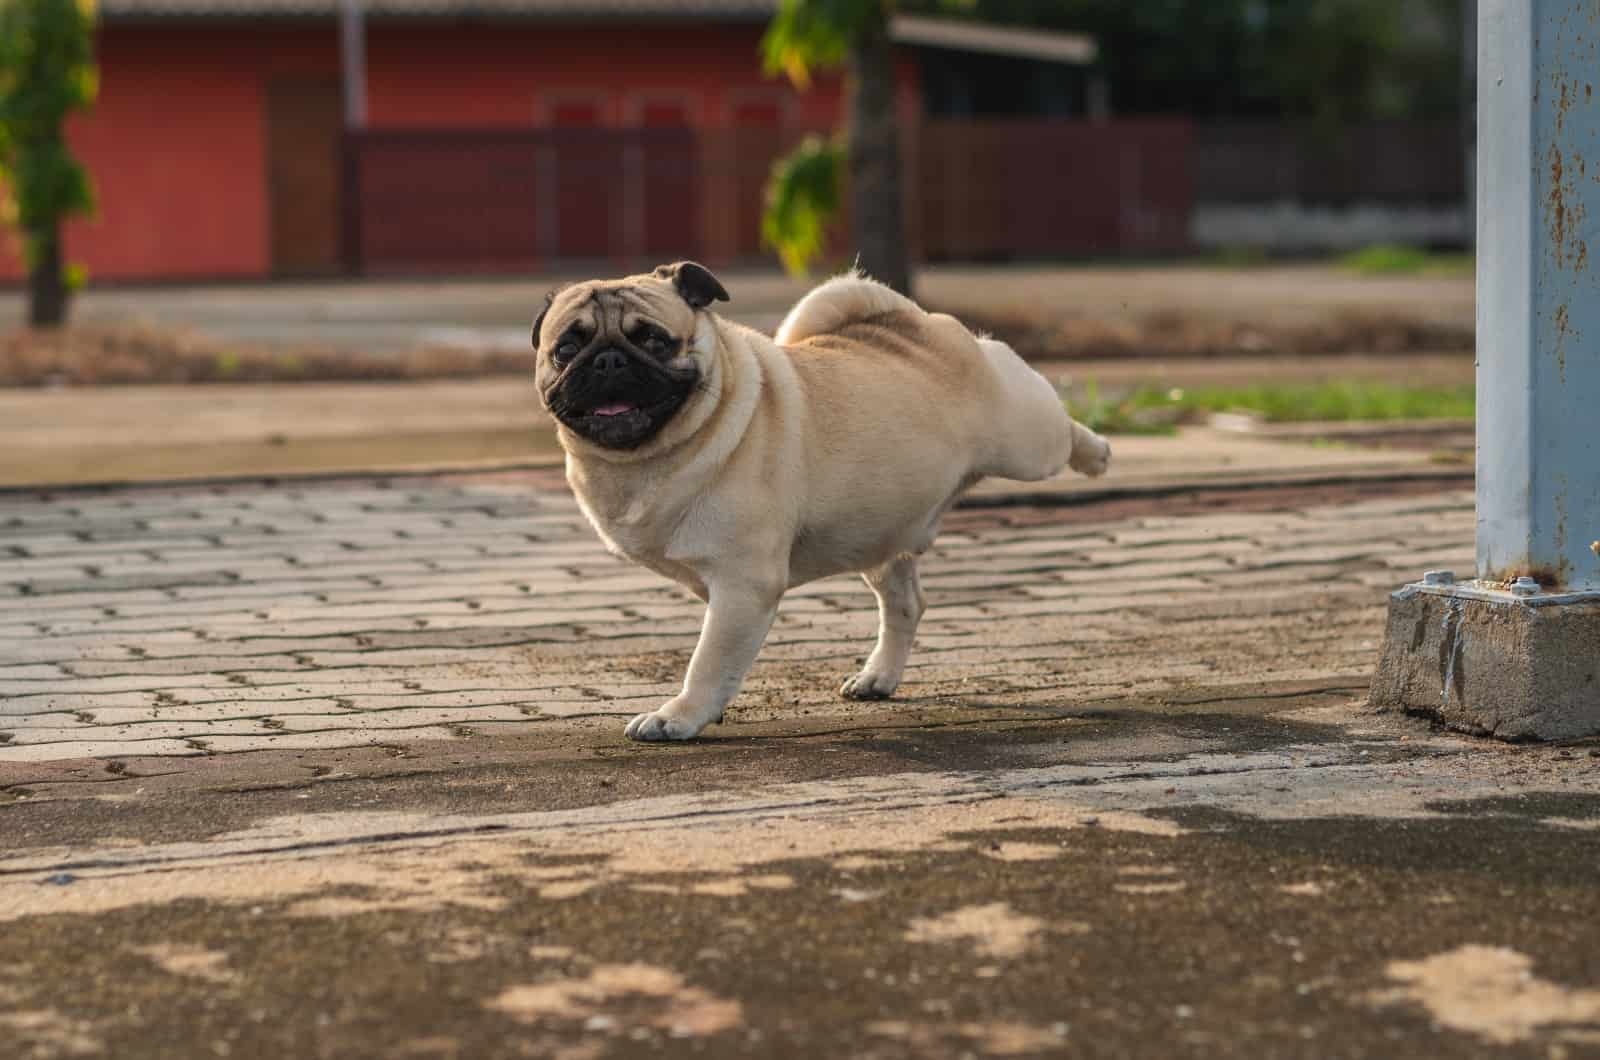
(610, 362)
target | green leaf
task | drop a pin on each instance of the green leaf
(808, 35)
(803, 195)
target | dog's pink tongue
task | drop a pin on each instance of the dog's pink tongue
(616, 408)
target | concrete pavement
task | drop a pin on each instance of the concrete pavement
(376, 315)
(335, 768)
(113, 433)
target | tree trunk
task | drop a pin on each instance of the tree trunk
(876, 206)
(47, 282)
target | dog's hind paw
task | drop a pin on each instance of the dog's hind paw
(1091, 455)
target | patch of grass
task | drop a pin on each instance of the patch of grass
(1330, 402)
(1130, 414)
(1394, 259)
(1239, 256)
(1152, 410)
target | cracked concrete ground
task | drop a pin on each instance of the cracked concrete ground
(335, 769)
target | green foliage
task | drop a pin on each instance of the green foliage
(1389, 259)
(1130, 414)
(1334, 401)
(1239, 256)
(1320, 60)
(1153, 410)
(1328, 56)
(802, 199)
(808, 35)
(46, 72)
(804, 191)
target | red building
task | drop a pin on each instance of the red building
(493, 135)
(217, 144)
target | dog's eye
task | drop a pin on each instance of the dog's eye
(652, 341)
(566, 351)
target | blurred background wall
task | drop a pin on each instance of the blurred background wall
(517, 135)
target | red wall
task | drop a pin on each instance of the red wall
(514, 74)
(176, 143)
(175, 148)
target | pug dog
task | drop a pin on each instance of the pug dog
(740, 465)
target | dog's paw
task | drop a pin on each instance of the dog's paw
(659, 726)
(869, 684)
(1091, 457)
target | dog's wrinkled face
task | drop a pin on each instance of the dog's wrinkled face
(617, 358)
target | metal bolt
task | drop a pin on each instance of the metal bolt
(1525, 586)
(1439, 577)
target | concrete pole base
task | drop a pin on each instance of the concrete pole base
(1493, 663)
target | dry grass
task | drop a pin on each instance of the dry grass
(89, 355)
(1038, 335)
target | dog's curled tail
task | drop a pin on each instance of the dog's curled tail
(840, 301)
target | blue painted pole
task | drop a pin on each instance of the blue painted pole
(1539, 293)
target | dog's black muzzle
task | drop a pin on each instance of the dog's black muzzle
(617, 398)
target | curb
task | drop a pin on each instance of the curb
(1008, 498)
(330, 475)
(1350, 429)
(1023, 498)
(1205, 484)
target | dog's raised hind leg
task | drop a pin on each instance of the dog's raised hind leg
(900, 608)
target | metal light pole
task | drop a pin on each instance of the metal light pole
(353, 63)
(1516, 652)
(353, 82)
(1469, 99)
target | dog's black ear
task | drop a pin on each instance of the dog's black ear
(694, 282)
(538, 321)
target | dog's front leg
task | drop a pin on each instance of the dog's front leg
(738, 616)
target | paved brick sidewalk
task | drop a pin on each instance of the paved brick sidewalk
(204, 621)
(336, 769)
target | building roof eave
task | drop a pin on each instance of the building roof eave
(1073, 49)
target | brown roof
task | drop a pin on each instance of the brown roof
(566, 9)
